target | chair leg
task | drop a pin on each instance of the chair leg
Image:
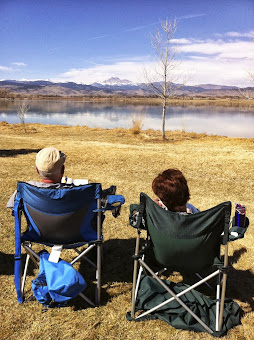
(138, 278)
(34, 256)
(82, 255)
(98, 270)
(201, 278)
(223, 290)
(178, 295)
(160, 271)
(24, 275)
(135, 273)
(30, 255)
(98, 276)
(208, 329)
(86, 299)
(217, 303)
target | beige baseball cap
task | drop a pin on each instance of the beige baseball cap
(50, 160)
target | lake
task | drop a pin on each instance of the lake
(218, 120)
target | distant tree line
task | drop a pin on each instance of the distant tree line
(8, 95)
(5, 94)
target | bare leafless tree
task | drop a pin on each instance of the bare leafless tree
(23, 107)
(248, 93)
(165, 80)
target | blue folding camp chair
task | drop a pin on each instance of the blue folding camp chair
(68, 217)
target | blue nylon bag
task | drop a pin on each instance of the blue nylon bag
(56, 282)
(40, 288)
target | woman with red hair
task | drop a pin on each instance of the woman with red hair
(172, 192)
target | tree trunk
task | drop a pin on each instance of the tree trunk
(24, 126)
(163, 118)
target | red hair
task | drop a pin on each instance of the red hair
(172, 189)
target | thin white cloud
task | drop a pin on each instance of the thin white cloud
(203, 70)
(5, 68)
(131, 29)
(140, 27)
(237, 49)
(181, 41)
(123, 70)
(53, 50)
(198, 57)
(223, 48)
(240, 35)
(190, 16)
(103, 36)
(18, 64)
(93, 63)
(217, 72)
(221, 61)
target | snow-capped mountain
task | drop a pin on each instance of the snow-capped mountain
(113, 86)
(114, 81)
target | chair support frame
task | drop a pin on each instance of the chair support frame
(31, 254)
(220, 291)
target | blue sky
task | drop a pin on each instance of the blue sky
(87, 41)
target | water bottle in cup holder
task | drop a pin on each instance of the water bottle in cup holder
(240, 215)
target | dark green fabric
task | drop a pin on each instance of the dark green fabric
(187, 243)
(151, 293)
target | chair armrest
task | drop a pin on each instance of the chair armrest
(113, 203)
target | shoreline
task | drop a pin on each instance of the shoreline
(207, 101)
(132, 134)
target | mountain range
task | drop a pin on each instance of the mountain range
(110, 87)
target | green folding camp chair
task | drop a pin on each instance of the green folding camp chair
(188, 243)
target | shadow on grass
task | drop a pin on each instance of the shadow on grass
(7, 264)
(15, 152)
(117, 266)
(240, 282)
(117, 262)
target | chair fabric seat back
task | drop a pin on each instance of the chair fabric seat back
(188, 242)
(61, 215)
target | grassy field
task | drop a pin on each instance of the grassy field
(217, 169)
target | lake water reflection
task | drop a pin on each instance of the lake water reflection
(220, 120)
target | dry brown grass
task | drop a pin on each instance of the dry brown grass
(137, 124)
(217, 169)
